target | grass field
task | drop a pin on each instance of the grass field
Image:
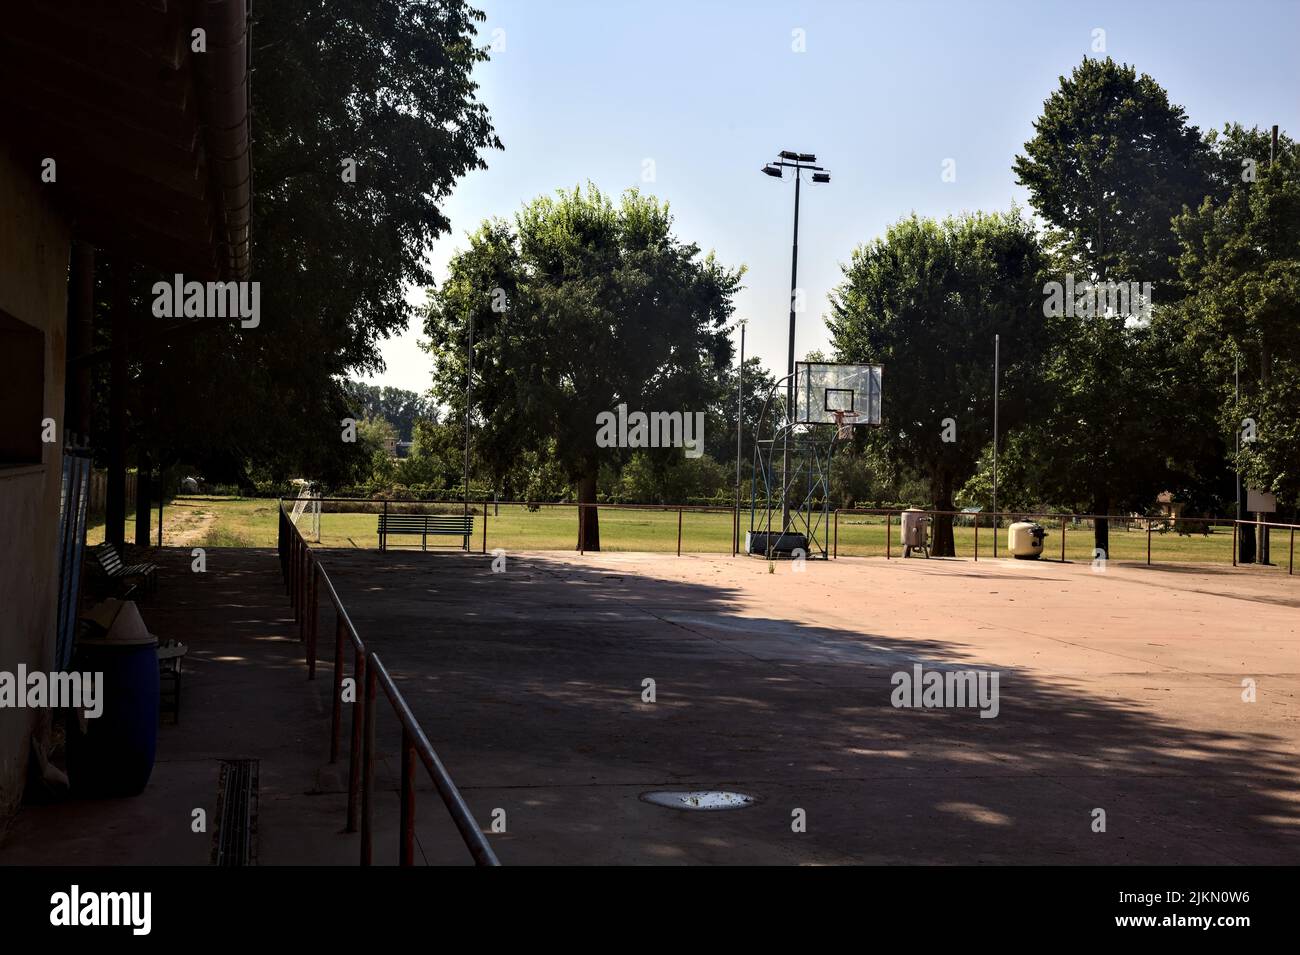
(251, 522)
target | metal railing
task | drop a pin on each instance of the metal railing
(1150, 525)
(304, 576)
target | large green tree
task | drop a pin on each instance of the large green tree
(578, 305)
(925, 301)
(384, 84)
(1110, 164)
(1240, 261)
(1121, 412)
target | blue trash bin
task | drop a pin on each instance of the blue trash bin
(113, 754)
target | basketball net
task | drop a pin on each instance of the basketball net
(844, 421)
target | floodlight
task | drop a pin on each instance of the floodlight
(771, 170)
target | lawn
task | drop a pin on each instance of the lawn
(250, 522)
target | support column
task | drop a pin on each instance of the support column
(81, 339)
(115, 498)
(143, 496)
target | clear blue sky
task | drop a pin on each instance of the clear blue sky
(884, 93)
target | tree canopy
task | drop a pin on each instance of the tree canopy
(577, 306)
(925, 301)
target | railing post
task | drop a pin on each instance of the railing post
(303, 588)
(314, 617)
(1063, 540)
(679, 532)
(1234, 542)
(336, 708)
(977, 538)
(582, 527)
(355, 756)
(406, 850)
(836, 546)
(1290, 564)
(304, 567)
(889, 534)
(368, 769)
(1148, 542)
(383, 538)
(485, 517)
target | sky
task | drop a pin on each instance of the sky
(700, 94)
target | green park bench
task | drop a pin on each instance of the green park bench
(454, 525)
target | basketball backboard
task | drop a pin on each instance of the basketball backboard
(823, 388)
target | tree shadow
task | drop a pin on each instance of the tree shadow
(530, 685)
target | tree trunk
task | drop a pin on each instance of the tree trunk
(1101, 528)
(588, 517)
(941, 542)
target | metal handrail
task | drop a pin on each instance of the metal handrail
(303, 574)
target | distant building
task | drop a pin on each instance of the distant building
(1168, 506)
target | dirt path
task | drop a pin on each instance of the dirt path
(186, 523)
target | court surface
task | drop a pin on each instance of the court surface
(1118, 691)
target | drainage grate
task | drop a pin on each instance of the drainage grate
(706, 799)
(235, 840)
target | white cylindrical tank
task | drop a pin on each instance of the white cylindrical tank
(1025, 540)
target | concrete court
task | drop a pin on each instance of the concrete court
(1118, 690)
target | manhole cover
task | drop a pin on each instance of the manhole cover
(709, 799)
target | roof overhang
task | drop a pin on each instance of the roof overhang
(151, 140)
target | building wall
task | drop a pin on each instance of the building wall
(34, 250)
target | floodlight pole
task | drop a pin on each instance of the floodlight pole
(469, 383)
(798, 162)
(789, 365)
(740, 417)
(996, 369)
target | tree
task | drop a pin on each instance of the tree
(720, 429)
(577, 306)
(1240, 260)
(399, 407)
(1112, 161)
(382, 83)
(925, 302)
(1120, 413)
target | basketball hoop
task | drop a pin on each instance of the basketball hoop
(844, 422)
